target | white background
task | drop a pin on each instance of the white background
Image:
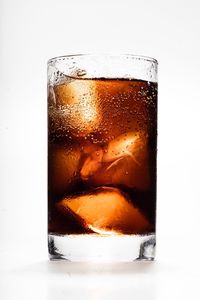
(32, 32)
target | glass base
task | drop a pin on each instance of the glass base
(92, 247)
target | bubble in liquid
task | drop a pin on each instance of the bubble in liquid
(81, 73)
(125, 155)
(76, 107)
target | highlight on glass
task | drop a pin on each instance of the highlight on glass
(102, 149)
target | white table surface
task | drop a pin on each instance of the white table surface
(26, 273)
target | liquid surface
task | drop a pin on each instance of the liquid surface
(102, 156)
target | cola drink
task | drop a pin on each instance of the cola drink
(102, 135)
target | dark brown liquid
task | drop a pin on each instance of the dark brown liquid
(102, 156)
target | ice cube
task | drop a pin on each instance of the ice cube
(125, 162)
(128, 144)
(75, 91)
(123, 109)
(78, 99)
(106, 210)
(63, 168)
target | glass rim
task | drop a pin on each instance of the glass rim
(128, 55)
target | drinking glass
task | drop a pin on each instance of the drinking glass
(102, 143)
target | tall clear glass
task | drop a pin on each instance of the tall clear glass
(102, 143)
